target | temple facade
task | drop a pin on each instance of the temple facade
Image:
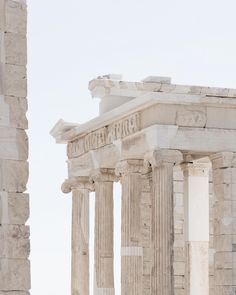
(173, 150)
(14, 202)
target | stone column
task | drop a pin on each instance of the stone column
(224, 186)
(146, 220)
(80, 234)
(162, 163)
(131, 242)
(104, 269)
(196, 227)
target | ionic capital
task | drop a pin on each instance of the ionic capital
(157, 158)
(103, 175)
(80, 182)
(125, 167)
(223, 160)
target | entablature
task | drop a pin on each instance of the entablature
(195, 120)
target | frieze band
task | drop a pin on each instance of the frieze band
(104, 136)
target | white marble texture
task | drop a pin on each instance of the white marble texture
(144, 131)
(14, 203)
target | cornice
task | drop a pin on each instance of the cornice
(65, 132)
(163, 85)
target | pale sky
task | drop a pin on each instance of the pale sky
(71, 42)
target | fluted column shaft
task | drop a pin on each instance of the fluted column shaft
(104, 257)
(224, 186)
(131, 243)
(162, 162)
(80, 242)
(80, 188)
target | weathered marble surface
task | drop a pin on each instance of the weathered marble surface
(104, 222)
(131, 238)
(154, 117)
(14, 203)
(80, 242)
(224, 180)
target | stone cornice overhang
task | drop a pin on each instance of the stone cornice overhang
(68, 133)
(140, 117)
(102, 87)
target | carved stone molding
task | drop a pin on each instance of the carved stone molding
(191, 118)
(103, 175)
(104, 136)
(125, 167)
(81, 182)
(157, 158)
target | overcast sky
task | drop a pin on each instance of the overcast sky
(69, 43)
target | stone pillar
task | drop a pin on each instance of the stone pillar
(131, 241)
(104, 257)
(224, 186)
(80, 234)
(14, 203)
(196, 227)
(162, 163)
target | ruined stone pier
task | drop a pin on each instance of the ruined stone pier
(14, 201)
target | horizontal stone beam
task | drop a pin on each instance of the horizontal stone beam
(125, 110)
(190, 140)
(104, 157)
(179, 109)
(202, 141)
(155, 84)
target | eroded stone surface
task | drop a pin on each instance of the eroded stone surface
(17, 111)
(15, 55)
(15, 80)
(197, 122)
(15, 274)
(14, 204)
(13, 112)
(14, 241)
(13, 176)
(14, 208)
(14, 144)
(15, 17)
